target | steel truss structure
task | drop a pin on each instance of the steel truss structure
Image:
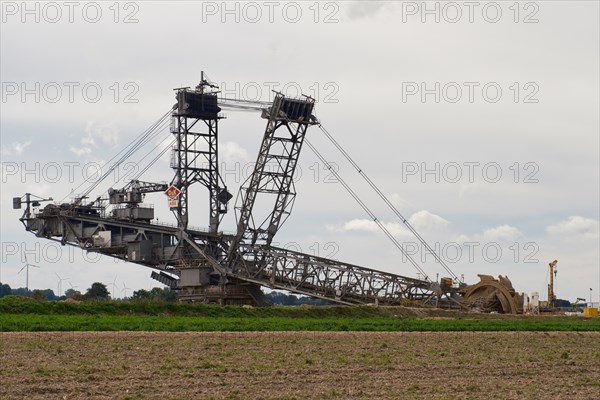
(207, 265)
(195, 157)
(158, 247)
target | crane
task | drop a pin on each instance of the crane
(210, 266)
(552, 276)
(579, 300)
(128, 200)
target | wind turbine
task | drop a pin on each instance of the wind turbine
(26, 268)
(60, 283)
(125, 289)
(114, 285)
(72, 287)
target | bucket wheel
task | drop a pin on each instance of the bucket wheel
(491, 294)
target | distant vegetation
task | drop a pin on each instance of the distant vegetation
(99, 291)
(283, 299)
(158, 310)
(19, 313)
(157, 307)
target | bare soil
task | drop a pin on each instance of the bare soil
(300, 365)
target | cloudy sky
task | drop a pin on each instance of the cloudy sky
(479, 121)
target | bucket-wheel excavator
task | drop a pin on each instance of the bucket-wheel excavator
(207, 265)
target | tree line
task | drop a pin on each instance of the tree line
(98, 291)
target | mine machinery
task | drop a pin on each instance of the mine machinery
(552, 276)
(580, 302)
(210, 266)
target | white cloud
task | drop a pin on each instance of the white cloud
(367, 225)
(108, 133)
(466, 188)
(363, 9)
(398, 200)
(360, 225)
(424, 220)
(576, 226)
(15, 148)
(462, 239)
(80, 151)
(162, 145)
(231, 151)
(502, 233)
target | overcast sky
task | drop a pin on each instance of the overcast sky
(480, 121)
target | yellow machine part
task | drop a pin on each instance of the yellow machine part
(590, 312)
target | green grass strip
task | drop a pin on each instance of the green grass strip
(34, 322)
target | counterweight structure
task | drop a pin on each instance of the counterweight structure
(210, 266)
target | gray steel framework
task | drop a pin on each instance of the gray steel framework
(195, 159)
(209, 265)
(263, 265)
(287, 123)
(324, 278)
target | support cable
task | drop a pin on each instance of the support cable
(126, 152)
(388, 203)
(147, 139)
(366, 209)
(152, 149)
(153, 161)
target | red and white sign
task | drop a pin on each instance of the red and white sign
(173, 203)
(172, 192)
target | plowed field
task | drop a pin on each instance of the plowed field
(299, 365)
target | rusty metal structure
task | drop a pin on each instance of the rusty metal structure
(207, 265)
(493, 295)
